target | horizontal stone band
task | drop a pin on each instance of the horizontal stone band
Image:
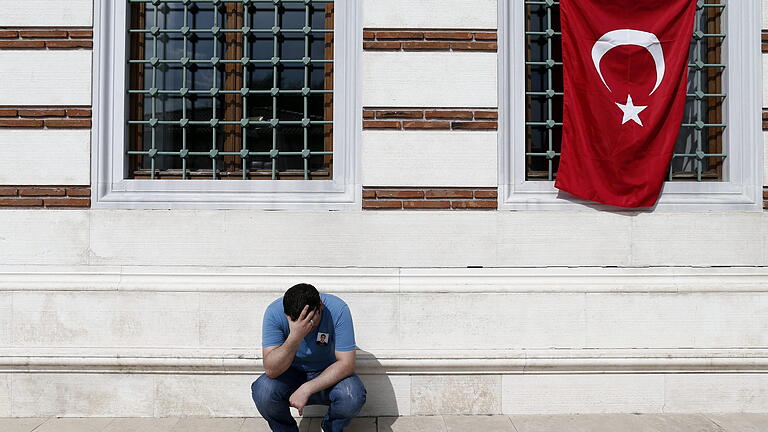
(393, 362)
(395, 280)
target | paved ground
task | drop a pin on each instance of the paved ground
(559, 423)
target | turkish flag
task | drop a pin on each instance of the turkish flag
(625, 68)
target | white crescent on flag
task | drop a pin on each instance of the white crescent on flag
(617, 38)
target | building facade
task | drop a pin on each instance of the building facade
(169, 167)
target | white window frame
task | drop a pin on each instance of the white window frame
(743, 112)
(112, 190)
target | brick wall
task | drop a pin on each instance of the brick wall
(430, 199)
(437, 118)
(432, 118)
(437, 40)
(46, 38)
(45, 196)
(45, 117)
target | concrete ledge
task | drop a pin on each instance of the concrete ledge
(393, 362)
(379, 280)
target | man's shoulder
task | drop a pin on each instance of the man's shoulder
(275, 308)
(332, 302)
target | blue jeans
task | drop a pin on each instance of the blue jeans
(345, 399)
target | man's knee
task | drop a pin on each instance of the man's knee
(349, 396)
(267, 391)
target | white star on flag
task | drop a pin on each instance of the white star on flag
(631, 111)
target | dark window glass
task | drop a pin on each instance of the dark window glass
(230, 90)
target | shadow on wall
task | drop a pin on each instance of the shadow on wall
(380, 401)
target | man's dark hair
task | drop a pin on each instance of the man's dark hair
(299, 296)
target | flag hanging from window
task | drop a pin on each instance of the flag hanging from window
(625, 67)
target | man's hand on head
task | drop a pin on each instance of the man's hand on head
(304, 323)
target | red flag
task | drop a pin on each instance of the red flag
(625, 68)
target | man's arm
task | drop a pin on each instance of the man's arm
(277, 359)
(342, 368)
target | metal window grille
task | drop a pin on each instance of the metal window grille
(699, 152)
(230, 89)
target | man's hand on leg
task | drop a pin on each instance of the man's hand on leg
(299, 399)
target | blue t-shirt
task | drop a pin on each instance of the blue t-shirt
(316, 352)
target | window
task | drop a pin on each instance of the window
(717, 157)
(260, 93)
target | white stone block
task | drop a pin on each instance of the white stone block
(5, 319)
(233, 320)
(40, 77)
(82, 395)
(765, 69)
(430, 79)
(45, 156)
(563, 239)
(765, 14)
(204, 395)
(114, 239)
(375, 319)
(346, 239)
(570, 394)
(765, 155)
(490, 321)
(382, 239)
(387, 395)
(44, 237)
(764, 225)
(456, 394)
(5, 395)
(699, 239)
(725, 393)
(450, 14)
(105, 319)
(46, 13)
(683, 320)
(430, 158)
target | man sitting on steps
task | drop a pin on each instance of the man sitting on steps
(308, 346)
